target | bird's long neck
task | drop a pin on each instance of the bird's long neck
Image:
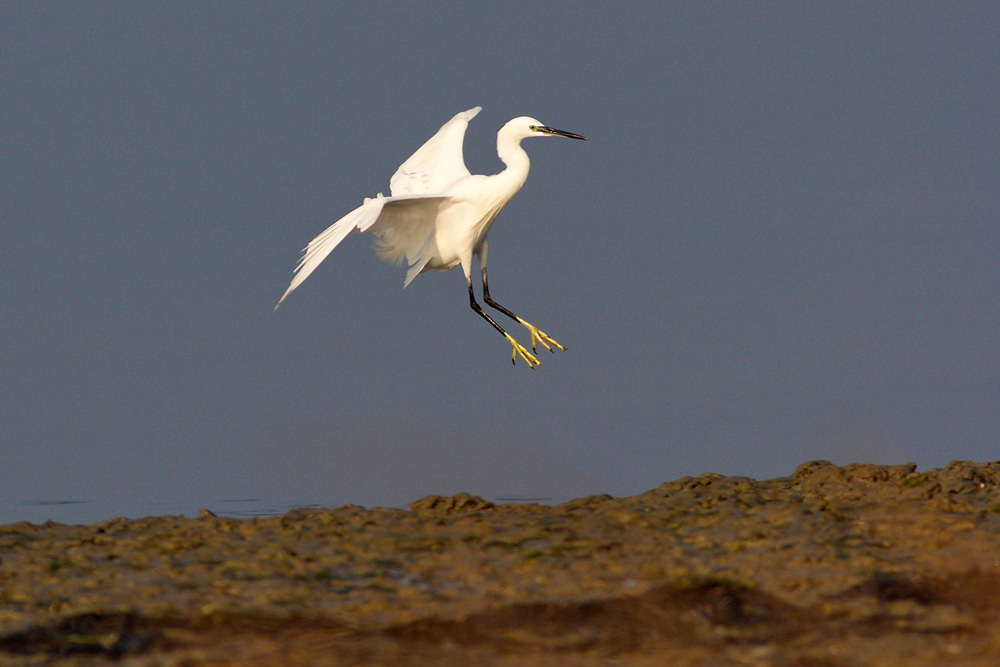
(511, 154)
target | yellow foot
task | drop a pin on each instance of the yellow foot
(523, 351)
(541, 337)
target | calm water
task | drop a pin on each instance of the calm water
(82, 511)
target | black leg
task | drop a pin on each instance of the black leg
(490, 302)
(537, 335)
(529, 358)
(479, 309)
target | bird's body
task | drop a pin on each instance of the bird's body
(438, 215)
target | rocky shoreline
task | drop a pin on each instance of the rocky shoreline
(853, 565)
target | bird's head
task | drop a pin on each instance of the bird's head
(523, 127)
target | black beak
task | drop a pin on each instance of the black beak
(559, 133)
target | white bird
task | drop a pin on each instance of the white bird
(438, 214)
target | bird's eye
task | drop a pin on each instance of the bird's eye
(533, 128)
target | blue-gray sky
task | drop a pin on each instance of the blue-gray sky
(780, 243)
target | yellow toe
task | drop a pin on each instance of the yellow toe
(519, 349)
(539, 336)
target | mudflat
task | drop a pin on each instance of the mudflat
(832, 566)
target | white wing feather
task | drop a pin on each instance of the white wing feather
(438, 164)
(404, 227)
(404, 223)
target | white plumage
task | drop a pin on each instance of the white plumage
(438, 214)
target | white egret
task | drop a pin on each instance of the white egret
(438, 214)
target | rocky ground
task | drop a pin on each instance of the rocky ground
(833, 566)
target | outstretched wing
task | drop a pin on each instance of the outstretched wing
(438, 163)
(403, 224)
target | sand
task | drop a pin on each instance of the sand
(833, 566)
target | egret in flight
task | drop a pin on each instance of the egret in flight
(438, 215)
